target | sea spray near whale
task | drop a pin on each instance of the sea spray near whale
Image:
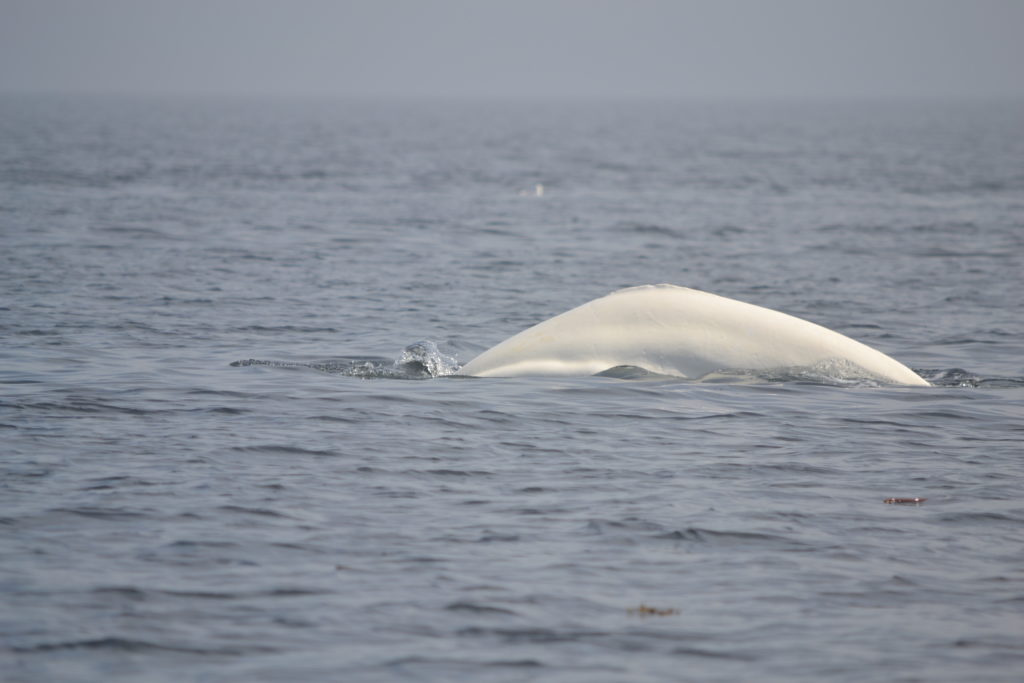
(682, 332)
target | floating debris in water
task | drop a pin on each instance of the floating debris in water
(904, 501)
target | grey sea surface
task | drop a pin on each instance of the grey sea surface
(230, 453)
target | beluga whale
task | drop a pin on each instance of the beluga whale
(682, 332)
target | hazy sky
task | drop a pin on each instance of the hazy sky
(660, 48)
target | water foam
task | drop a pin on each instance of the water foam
(419, 360)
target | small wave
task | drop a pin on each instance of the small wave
(529, 634)
(714, 654)
(141, 646)
(477, 608)
(275, 329)
(420, 663)
(112, 514)
(958, 377)
(283, 449)
(743, 539)
(420, 360)
(833, 372)
(844, 374)
(648, 229)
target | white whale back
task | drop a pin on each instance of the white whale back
(681, 332)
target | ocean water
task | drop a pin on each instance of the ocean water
(229, 451)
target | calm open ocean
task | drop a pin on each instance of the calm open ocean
(169, 513)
